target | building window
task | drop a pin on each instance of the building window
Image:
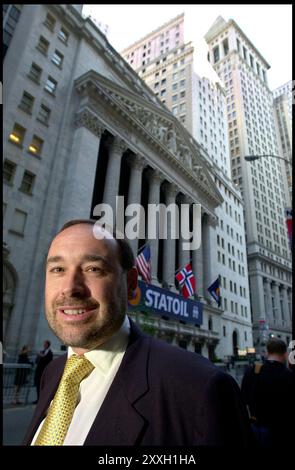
(51, 85)
(18, 222)
(44, 114)
(27, 182)
(251, 61)
(36, 146)
(224, 330)
(57, 58)
(9, 24)
(244, 52)
(8, 171)
(182, 94)
(225, 46)
(238, 45)
(49, 22)
(27, 102)
(43, 45)
(174, 98)
(63, 35)
(258, 68)
(216, 54)
(35, 73)
(17, 135)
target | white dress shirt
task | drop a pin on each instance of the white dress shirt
(92, 392)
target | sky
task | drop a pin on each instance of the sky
(269, 28)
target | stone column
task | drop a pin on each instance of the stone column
(112, 181)
(258, 309)
(207, 253)
(136, 164)
(198, 269)
(268, 305)
(169, 244)
(276, 292)
(155, 180)
(286, 306)
(77, 198)
(183, 255)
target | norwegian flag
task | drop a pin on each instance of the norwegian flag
(186, 281)
(143, 264)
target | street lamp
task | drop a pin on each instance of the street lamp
(251, 158)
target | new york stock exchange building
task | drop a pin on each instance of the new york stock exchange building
(108, 136)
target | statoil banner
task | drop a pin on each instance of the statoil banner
(150, 298)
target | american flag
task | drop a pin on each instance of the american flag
(143, 264)
(186, 281)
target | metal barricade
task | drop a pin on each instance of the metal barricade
(17, 382)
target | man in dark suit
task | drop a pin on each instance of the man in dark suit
(268, 390)
(43, 358)
(140, 391)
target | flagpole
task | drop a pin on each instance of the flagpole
(141, 248)
(179, 269)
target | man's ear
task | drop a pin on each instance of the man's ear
(132, 276)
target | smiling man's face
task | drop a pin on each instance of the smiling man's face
(86, 288)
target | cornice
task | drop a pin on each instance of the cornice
(156, 125)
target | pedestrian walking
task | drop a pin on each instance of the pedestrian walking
(21, 375)
(268, 389)
(43, 358)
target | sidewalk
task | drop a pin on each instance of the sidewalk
(16, 420)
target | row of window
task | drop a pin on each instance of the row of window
(11, 16)
(35, 74)
(234, 308)
(28, 180)
(50, 23)
(230, 248)
(248, 57)
(230, 231)
(276, 272)
(27, 104)
(231, 263)
(233, 287)
(17, 137)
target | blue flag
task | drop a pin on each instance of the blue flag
(214, 290)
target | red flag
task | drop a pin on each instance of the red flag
(186, 281)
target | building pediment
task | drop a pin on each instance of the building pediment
(157, 124)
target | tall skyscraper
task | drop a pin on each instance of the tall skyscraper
(252, 132)
(168, 66)
(283, 122)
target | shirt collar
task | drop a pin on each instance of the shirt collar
(103, 356)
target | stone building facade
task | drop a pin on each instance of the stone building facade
(82, 128)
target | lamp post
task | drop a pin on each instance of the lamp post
(251, 158)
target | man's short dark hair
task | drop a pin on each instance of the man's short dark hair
(127, 258)
(276, 346)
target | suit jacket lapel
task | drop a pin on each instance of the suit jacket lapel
(118, 421)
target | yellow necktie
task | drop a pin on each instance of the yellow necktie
(61, 411)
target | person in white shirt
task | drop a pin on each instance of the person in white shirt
(139, 390)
